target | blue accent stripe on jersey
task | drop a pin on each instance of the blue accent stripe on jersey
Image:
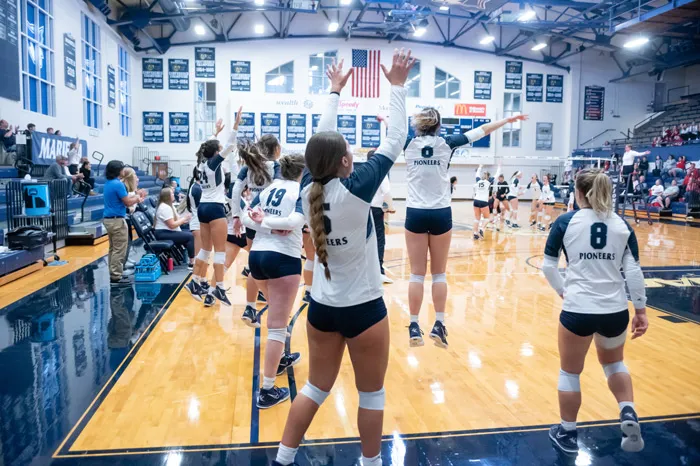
(555, 240)
(632, 242)
(364, 182)
(243, 174)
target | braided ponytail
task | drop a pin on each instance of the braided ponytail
(317, 224)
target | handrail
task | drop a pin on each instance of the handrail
(648, 119)
(668, 93)
(596, 136)
(99, 161)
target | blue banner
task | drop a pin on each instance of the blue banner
(246, 129)
(514, 74)
(9, 50)
(482, 85)
(486, 140)
(45, 147)
(153, 127)
(534, 90)
(315, 118)
(204, 62)
(270, 124)
(371, 131)
(594, 103)
(69, 63)
(347, 126)
(179, 129)
(240, 76)
(111, 87)
(555, 88)
(296, 128)
(178, 74)
(152, 73)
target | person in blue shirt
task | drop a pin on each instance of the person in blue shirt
(116, 200)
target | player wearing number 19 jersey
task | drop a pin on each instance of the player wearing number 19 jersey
(597, 243)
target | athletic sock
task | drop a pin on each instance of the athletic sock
(376, 461)
(268, 382)
(251, 304)
(220, 285)
(197, 279)
(440, 316)
(568, 426)
(285, 455)
(307, 288)
(414, 319)
(624, 404)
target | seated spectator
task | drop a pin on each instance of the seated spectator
(642, 186)
(644, 165)
(677, 140)
(176, 189)
(679, 169)
(58, 132)
(9, 141)
(656, 142)
(59, 171)
(692, 186)
(49, 130)
(658, 166)
(167, 223)
(668, 165)
(655, 191)
(670, 194)
(31, 127)
(684, 130)
(692, 131)
(86, 171)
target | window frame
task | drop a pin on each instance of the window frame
(321, 61)
(413, 80)
(91, 46)
(446, 85)
(43, 99)
(287, 84)
(203, 125)
(512, 131)
(124, 90)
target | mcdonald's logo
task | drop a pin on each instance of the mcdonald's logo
(470, 109)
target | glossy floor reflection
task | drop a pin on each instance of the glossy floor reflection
(58, 346)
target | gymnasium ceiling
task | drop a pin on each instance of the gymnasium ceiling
(567, 27)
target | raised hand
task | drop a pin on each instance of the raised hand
(219, 127)
(337, 77)
(239, 115)
(400, 66)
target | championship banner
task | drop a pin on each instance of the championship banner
(270, 124)
(204, 62)
(152, 73)
(153, 127)
(470, 109)
(371, 131)
(45, 147)
(482, 85)
(296, 128)
(178, 74)
(315, 118)
(514, 74)
(594, 103)
(347, 126)
(534, 91)
(240, 76)
(69, 63)
(246, 129)
(555, 88)
(111, 87)
(179, 128)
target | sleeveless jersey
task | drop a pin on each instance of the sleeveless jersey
(279, 200)
(547, 194)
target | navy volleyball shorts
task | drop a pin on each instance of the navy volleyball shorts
(431, 221)
(349, 321)
(266, 265)
(210, 211)
(480, 204)
(250, 234)
(584, 325)
(239, 241)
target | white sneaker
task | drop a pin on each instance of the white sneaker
(386, 280)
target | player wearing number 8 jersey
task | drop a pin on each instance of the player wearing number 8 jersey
(596, 243)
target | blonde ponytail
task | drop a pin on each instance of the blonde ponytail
(596, 187)
(318, 227)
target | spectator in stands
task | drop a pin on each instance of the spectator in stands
(642, 186)
(167, 223)
(628, 159)
(116, 200)
(74, 155)
(644, 165)
(692, 186)
(692, 131)
(131, 181)
(670, 194)
(679, 169)
(86, 171)
(655, 191)
(684, 131)
(31, 127)
(58, 132)
(59, 171)
(658, 166)
(9, 141)
(668, 165)
(49, 130)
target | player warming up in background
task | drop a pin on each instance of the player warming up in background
(482, 193)
(516, 190)
(428, 225)
(597, 244)
(346, 306)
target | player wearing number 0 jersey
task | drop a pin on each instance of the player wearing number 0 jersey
(517, 189)
(597, 243)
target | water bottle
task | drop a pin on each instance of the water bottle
(171, 264)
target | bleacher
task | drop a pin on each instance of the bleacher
(675, 115)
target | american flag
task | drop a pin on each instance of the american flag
(365, 78)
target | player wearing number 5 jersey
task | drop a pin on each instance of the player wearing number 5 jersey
(597, 243)
(346, 307)
(428, 224)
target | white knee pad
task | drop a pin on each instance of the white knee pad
(277, 334)
(372, 400)
(569, 382)
(313, 393)
(204, 255)
(610, 343)
(416, 278)
(309, 265)
(219, 257)
(439, 278)
(614, 368)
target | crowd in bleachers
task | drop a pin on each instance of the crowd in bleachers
(667, 181)
(677, 135)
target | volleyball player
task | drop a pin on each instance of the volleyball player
(257, 174)
(428, 226)
(194, 194)
(516, 189)
(547, 201)
(275, 264)
(234, 243)
(536, 185)
(500, 203)
(346, 305)
(597, 244)
(211, 214)
(482, 193)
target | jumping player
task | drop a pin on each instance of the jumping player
(597, 244)
(516, 190)
(500, 203)
(482, 193)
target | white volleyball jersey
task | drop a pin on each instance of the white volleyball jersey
(246, 179)
(427, 162)
(482, 189)
(547, 195)
(536, 188)
(595, 249)
(213, 189)
(280, 200)
(229, 214)
(193, 198)
(517, 189)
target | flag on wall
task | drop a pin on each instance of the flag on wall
(365, 78)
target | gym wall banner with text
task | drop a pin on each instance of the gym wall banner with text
(45, 147)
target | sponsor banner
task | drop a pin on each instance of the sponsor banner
(178, 74)
(153, 127)
(45, 147)
(371, 131)
(204, 62)
(470, 109)
(347, 126)
(152, 73)
(296, 128)
(179, 128)
(240, 76)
